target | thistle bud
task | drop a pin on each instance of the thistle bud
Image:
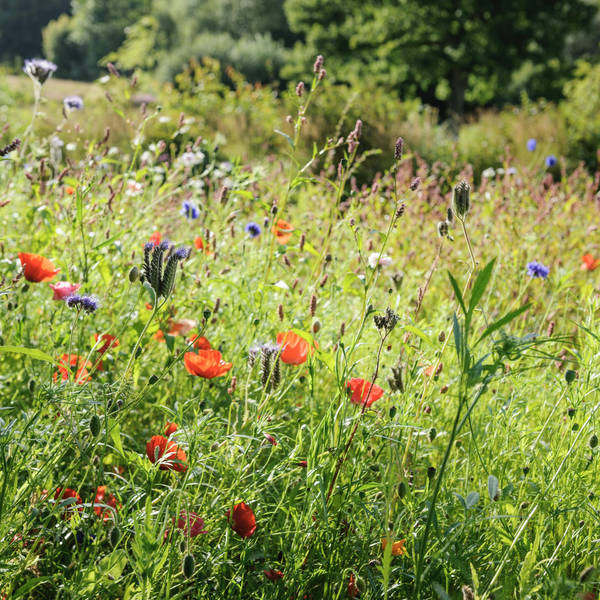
(461, 199)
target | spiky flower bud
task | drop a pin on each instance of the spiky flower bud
(461, 199)
(270, 371)
(313, 305)
(442, 229)
(318, 64)
(398, 149)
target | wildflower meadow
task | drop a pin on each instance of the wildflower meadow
(282, 374)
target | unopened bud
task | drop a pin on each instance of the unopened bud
(461, 199)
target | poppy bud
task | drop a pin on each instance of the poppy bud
(593, 442)
(449, 215)
(206, 314)
(461, 199)
(430, 472)
(95, 425)
(31, 385)
(316, 326)
(431, 434)
(134, 274)
(402, 489)
(114, 536)
(570, 376)
(188, 566)
(442, 336)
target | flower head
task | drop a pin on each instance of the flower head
(39, 69)
(531, 144)
(200, 343)
(36, 268)
(63, 289)
(189, 210)
(206, 363)
(242, 520)
(589, 263)
(155, 239)
(363, 391)
(283, 231)
(88, 303)
(103, 502)
(166, 453)
(191, 523)
(73, 103)
(64, 495)
(550, 160)
(181, 327)
(537, 269)
(375, 260)
(253, 229)
(170, 428)
(110, 341)
(398, 548)
(294, 349)
(66, 362)
(202, 245)
(273, 574)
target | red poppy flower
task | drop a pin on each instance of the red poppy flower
(64, 494)
(191, 523)
(302, 464)
(242, 520)
(200, 343)
(273, 574)
(294, 349)
(181, 327)
(589, 263)
(155, 238)
(202, 245)
(283, 231)
(65, 368)
(107, 499)
(353, 591)
(170, 428)
(173, 457)
(206, 363)
(159, 336)
(70, 190)
(37, 268)
(363, 392)
(110, 341)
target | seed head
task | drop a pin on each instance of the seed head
(461, 199)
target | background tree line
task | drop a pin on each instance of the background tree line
(454, 54)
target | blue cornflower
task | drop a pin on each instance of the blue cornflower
(181, 253)
(189, 210)
(73, 103)
(531, 144)
(537, 269)
(550, 160)
(253, 229)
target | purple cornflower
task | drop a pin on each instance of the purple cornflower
(531, 144)
(39, 69)
(73, 103)
(189, 210)
(537, 269)
(253, 229)
(87, 303)
(181, 253)
(550, 160)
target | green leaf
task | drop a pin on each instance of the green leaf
(419, 333)
(480, 284)
(503, 321)
(115, 435)
(493, 488)
(471, 500)
(287, 137)
(440, 591)
(457, 336)
(457, 292)
(31, 352)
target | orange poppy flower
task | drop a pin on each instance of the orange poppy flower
(110, 341)
(200, 343)
(170, 428)
(353, 591)
(173, 457)
(294, 349)
(73, 360)
(398, 548)
(202, 245)
(242, 520)
(206, 363)
(64, 494)
(159, 336)
(155, 238)
(589, 263)
(107, 499)
(37, 268)
(70, 190)
(283, 231)
(182, 327)
(363, 392)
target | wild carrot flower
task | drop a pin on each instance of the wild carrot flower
(189, 210)
(253, 229)
(363, 391)
(589, 263)
(283, 231)
(166, 453)
(108, 500)
(531, 144)
(398, 548)
(242, 520)
(39, 69)
(110, 341)
(294, 348)
(36, 268)
(537, 270)
(206, 363)
(63, 289)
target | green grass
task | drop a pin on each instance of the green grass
(480, 454)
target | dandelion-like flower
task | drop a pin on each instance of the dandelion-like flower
(537, 270)
(39, 69)
(253, 229)
(73, 103)
(189, 210)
